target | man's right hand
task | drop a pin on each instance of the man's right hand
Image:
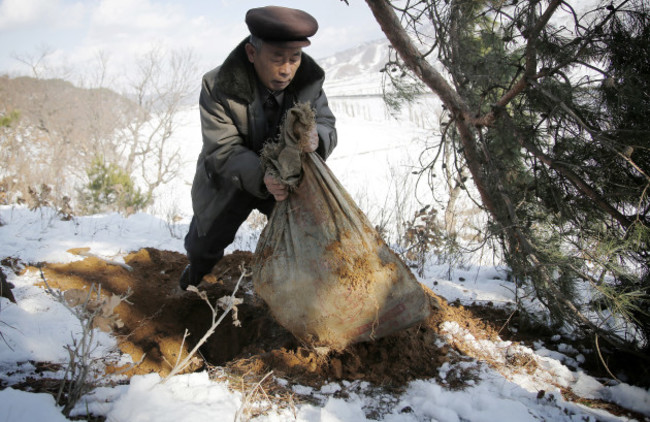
(276, 188)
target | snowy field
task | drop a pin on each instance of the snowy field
(37, 328)
(370, 157)
(375, 153)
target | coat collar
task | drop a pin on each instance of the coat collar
(236, 78)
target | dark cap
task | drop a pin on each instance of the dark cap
(281, 25)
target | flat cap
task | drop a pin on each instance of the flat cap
(281, 25)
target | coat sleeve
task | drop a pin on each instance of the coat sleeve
(227, 159)
(325, 125)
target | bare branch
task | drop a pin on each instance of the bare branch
(230, 304)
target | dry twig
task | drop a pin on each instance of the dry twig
(248, 398)
(227, 303)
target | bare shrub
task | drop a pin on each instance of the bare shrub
(423, 235)
(159, 88)
(92, 310)
(5, 291)
(51, 130)
(172, 218)
(256, 220)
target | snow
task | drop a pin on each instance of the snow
(372, 158)
(192, 397)
(28, 407)
(37, 329)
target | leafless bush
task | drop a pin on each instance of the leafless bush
(39, 198)
(93, 311)
(51, 130)
(65, 211)
(256, 220)
(5, 291)
(423, 235)
(388, 214)
(159, 89)
(172, 217)
(42, 198)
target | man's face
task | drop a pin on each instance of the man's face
(275, 66)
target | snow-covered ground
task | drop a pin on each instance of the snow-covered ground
(374, 160)
(369, 155)
(37, 328)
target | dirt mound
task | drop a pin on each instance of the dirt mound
(158, 314)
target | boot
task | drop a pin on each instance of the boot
(188, 278)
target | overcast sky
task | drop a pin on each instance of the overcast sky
(75, 30)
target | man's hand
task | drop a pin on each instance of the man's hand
(275, 187)
(312, 143)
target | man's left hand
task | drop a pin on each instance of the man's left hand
(312, 143)
(275, 187)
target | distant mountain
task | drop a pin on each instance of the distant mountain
(354, 85)
(356, 71)
(367, 57)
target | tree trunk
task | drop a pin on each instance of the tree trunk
(400, 40)
(487, 175)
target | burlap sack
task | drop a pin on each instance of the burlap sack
(324, 271)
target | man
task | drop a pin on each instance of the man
(242, 103)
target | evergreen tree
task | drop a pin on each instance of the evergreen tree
(110, 188)
(550, 111)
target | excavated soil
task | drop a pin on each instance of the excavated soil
(158, 313)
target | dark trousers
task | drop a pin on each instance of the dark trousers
(204, 252)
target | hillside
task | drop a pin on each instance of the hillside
(355, 71)
(55, 105)
(59, 129)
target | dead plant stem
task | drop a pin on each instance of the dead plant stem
(181, 365)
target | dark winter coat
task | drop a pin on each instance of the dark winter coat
(233, 125)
